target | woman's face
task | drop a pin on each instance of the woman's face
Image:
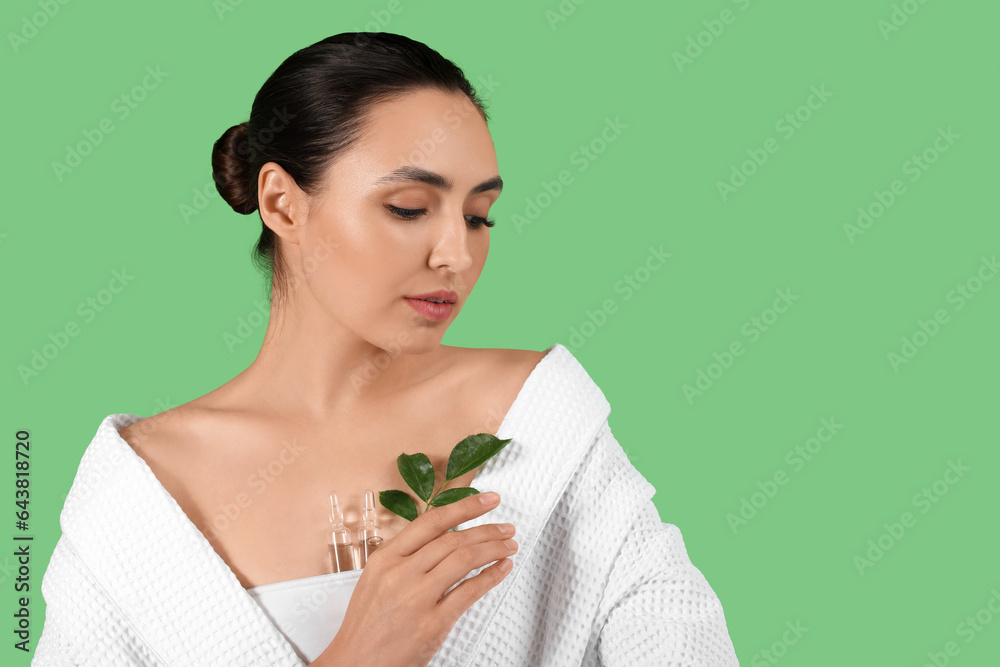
(399, 214)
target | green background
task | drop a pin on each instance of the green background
(554, 85)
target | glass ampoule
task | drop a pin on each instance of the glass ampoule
(369, 534)
(339, 543)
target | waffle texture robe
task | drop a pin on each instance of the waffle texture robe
(598, 580)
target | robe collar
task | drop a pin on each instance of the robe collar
(185, 602)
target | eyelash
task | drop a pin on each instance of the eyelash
(476, 222)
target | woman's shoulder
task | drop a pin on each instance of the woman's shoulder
(172, 429)
(508, 368)
(499, 358)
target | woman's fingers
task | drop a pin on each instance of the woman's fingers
(408, 578)
(458, 600)
(437, 521)
(443, 546)
(460, 560)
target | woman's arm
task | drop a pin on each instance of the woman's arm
(659, 608)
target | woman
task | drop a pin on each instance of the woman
(198, 536)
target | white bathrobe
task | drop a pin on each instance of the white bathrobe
(598, 578)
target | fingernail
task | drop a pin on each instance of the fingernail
(505, 566)
(489, 498)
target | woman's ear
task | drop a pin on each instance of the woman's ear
(281, 202)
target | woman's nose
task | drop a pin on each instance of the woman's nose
(451, 247)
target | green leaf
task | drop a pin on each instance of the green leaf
(418, 473)
(449, 496)
(472, 452)
(399, 503)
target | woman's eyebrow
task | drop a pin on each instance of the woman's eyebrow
(410, 173)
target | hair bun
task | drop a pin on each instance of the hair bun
(231, 169)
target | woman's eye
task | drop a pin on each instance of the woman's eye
(475, 221)
(406, 213)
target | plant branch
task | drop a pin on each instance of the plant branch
(434, 495)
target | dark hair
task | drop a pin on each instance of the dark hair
(313, 107)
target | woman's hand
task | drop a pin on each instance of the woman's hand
(399, 615)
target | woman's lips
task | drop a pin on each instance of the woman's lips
(433, 311)
(439, 295)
